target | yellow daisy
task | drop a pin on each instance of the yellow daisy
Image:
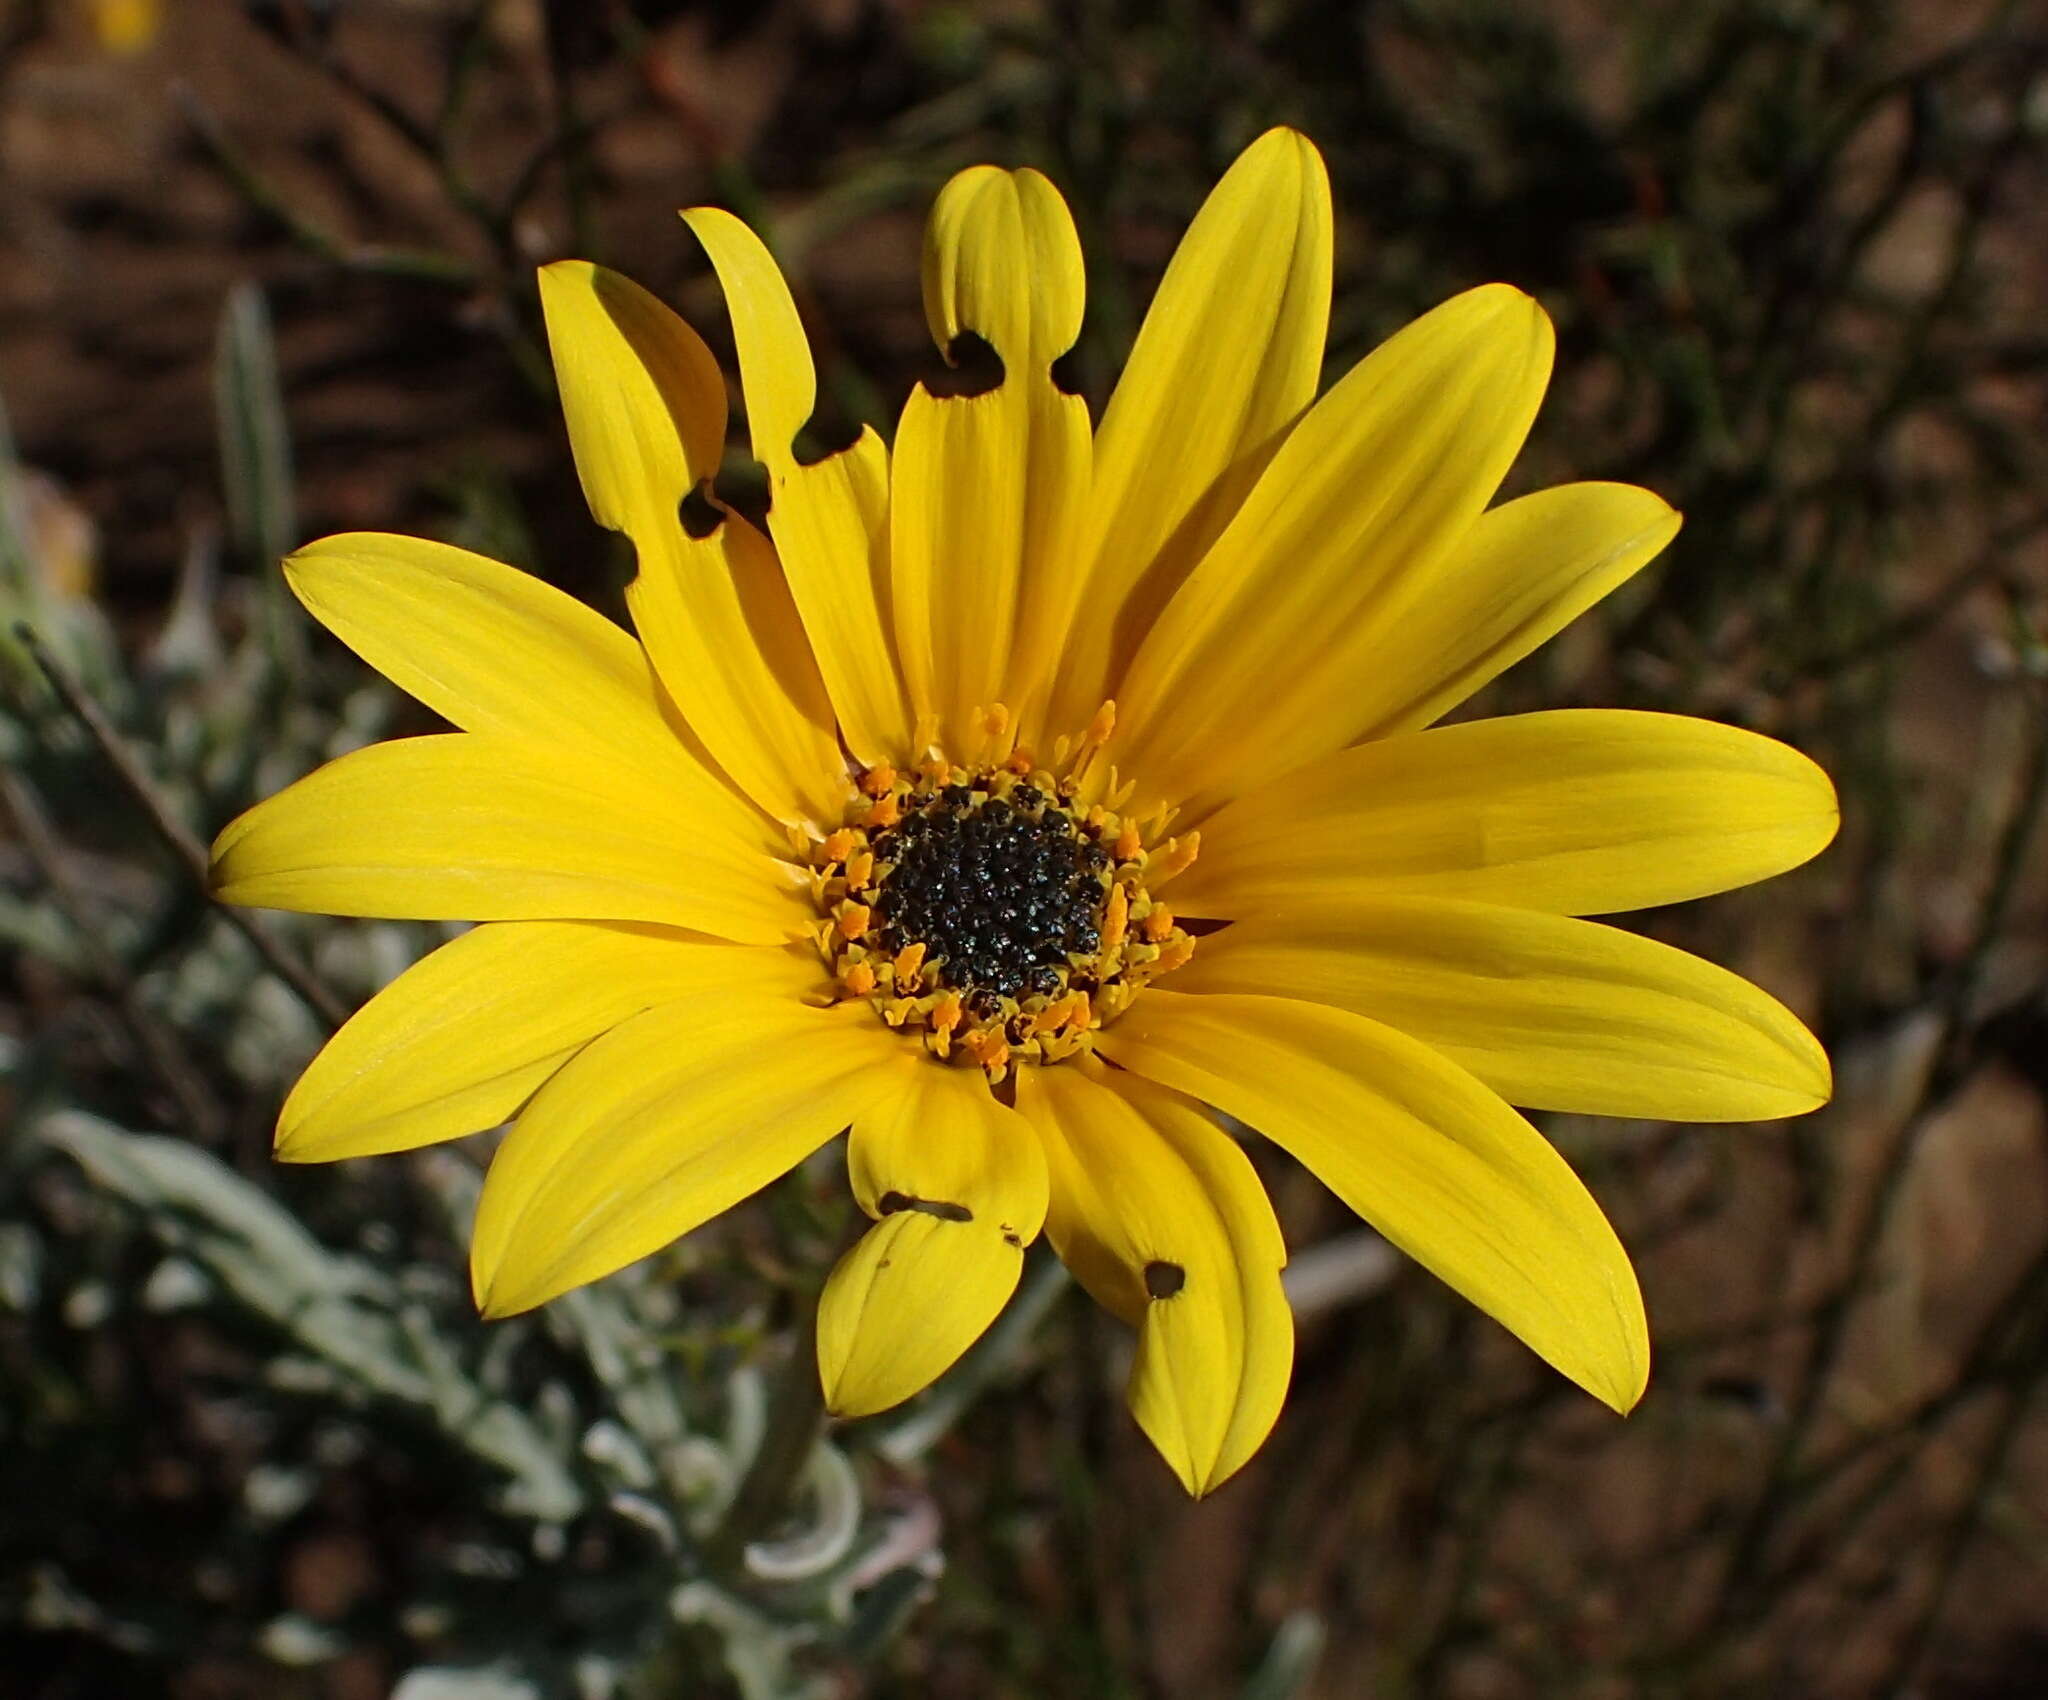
(126, 26)
(1031, 797)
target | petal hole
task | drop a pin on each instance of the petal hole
(891, 1202)
(1163, 1279)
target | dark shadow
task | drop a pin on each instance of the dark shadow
(973, 367)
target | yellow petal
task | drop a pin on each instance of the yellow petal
(830, 519)
(1001, 260)
(472, 826)
(1580, 811)
(987, 489)
(776, 372)
(1161, 1216)
(904, 1303)
(1524, 572)
(936, 1140)
(642, 396)
(485, 646)
(645, 407)
(726, 637)
(958, 1182)
(1425, 1153)
(1230, 353)
(1552, 1013)
(672, 1117)
(1378, 482)
(467, 1034)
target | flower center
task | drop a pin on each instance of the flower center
(991, 911)
(1000, 887)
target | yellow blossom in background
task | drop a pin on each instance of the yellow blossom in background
(1026, 796)
(126, 26)
(60, 542)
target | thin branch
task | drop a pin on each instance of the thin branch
(1910, 624)
(557, 144)
(569, 126)
(1956, 1544)
(159, 1050)
(430, 144)
(310, 234)
(173, 831)
(1948, 1070)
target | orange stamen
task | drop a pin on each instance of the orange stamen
(994, 723)
(1116, 918)
(1176, 858)
(1136, 940)
(1054, 1015)
(987, 1047)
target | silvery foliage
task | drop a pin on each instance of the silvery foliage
(616, 1420)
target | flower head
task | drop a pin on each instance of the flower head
(126, 26)
(1025, 797)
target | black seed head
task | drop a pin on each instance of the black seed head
(999, 898)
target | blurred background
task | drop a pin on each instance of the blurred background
(266, 272)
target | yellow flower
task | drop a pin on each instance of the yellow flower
(126, 26)
(892, 823)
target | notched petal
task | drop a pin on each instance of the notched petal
(700, 512)
(1002, 260)
(973, 367)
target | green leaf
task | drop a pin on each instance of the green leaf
(255, 442)
(343, 1310)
